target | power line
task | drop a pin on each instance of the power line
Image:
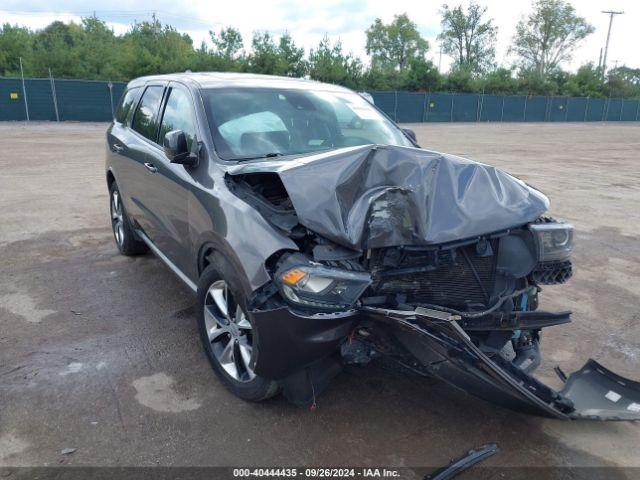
(611, 13)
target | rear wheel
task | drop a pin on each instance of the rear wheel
(123, 233)
(227, 335)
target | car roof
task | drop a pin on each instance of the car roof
(243, 80)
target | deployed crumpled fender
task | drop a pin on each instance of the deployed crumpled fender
(382, 196)
(448, 353)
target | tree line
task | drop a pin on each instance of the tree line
(397, 54)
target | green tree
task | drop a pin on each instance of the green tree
(203, 59)
(227, 53)
(90, 49)
(271, 58)
(264, 54)
(381, 78)
(150, 47)
(549, 35)
(468, 37)
(71, 50)
(629, 75)
(15, 42)
(396, 44)
(228, 43)
(291, 61)
(328, 63)
(421, 75)
(586, 82)
(531, 82)
(460, 80)
(56, 47)
(623, 82)
(499, 81)
(97, 51)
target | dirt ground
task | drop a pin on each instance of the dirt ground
(99, 352)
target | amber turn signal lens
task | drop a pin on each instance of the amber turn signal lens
(293, 276)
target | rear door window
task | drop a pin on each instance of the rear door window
(145, 120)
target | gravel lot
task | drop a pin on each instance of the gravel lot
(100, 353)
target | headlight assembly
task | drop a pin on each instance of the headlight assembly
(317, 286)
(554, 241)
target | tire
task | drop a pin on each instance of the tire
(228, 340)
(123, 233)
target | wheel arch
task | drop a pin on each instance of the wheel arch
(111, 178)
(208, 251)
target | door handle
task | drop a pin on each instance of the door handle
(118, 148)
(151, 167)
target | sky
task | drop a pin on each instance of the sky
(346, 20)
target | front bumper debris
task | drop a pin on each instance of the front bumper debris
(291, 341)
(465, 462)
(448, 353)
(600, 394)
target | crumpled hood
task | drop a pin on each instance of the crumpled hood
(381, 196)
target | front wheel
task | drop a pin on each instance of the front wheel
(227, 335)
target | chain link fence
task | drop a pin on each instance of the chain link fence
(95, 101)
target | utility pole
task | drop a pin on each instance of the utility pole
(600, 60)
(611, 13)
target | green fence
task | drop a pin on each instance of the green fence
(86, 100)
(415, 107)
(53, 99)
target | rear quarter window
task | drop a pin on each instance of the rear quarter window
(145, 120)
(126, 105)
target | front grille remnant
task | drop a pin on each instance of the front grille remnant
(553, 273)
(440, 277)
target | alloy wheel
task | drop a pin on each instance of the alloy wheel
(117, 218)
(229, 331)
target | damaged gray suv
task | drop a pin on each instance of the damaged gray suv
(316, 233)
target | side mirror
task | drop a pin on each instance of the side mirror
(176, 149)
(411, 134)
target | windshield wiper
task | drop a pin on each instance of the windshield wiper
(267, 155)
(279, 154)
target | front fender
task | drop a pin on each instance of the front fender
(221, 221)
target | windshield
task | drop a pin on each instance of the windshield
(259, 122)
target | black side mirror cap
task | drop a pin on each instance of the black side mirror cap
(176, 149)
(411, 134)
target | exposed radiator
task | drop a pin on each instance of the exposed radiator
(449, 280)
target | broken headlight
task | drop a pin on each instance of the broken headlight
(554, 241)
(321, 287)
